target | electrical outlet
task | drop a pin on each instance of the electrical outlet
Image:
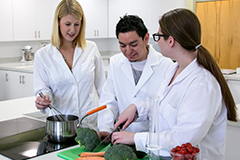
(43, 44)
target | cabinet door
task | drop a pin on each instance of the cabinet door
(24, 20)
(96, 13)
(150, 11)
(118, 8)
(2, 85)
(33, 19)
(6, 27)
(156, 9)
(13, 87)
(234, 87)
(27, 84)
(17, 85)
(45, 14)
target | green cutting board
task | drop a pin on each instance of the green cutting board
(72, 154)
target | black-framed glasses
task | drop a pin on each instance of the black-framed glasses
(156, 36)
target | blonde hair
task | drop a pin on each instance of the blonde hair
(64, 8)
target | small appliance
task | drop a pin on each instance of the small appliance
(28, 55)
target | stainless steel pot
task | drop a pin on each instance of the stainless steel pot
(61, 131)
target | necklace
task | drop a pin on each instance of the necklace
(65, 57)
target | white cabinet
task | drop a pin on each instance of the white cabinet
(6, 27)
(234, 86)
(232, 143)
(118, 8)
(150, 11)
(15, 85)
(156, 8)
(32, 19)
(96, 14)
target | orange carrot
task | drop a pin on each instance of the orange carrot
(92, 154)
(91, 158)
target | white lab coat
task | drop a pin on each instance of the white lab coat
(192, 110)
(71, 91)
(120, 90)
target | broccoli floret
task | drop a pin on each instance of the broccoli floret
(139, 154)
(120, 152)
(87, 138)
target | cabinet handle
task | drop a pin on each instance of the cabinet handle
(35, 34)
(38, 34)
(6, 77)
(23, 77)
(20, 79)
(94, 33)
(97, 33)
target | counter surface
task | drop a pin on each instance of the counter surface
(26, 67)
(25, 107)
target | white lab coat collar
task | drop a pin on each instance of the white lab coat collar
(188, 70)
(57, 56)
(152, 60)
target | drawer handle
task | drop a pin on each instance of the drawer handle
(20, 79)
(23, 79)
(6, 77)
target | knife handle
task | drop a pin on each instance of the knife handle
(96, 109)
(119, 127)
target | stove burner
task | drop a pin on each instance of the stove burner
(30, 143)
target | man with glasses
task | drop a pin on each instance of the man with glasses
(134, 75)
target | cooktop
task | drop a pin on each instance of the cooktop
(25, 138)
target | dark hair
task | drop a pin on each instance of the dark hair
(184, 26)
(131, 23)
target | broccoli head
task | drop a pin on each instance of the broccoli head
(87, 138)
(139, 154)
(120, 152)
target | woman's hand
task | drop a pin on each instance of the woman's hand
(42, 103)
(127, 116)
(102, 135)
(123, 137)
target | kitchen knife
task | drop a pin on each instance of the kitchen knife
(105, 141)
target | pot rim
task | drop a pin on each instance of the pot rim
(70, 118)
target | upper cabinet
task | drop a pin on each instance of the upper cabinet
(150, 11)
(156, 9)
(96, 14)
(6, 27)
(32, 19)
(26, 20)
(118, 8)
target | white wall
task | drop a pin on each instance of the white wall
(12, 51)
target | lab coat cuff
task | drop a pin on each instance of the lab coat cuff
(142, 110)
(141, 140)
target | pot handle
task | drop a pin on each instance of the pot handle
(91, 112)
(96, 110)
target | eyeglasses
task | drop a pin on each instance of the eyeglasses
(156, 36)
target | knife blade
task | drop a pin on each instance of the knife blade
(105, 141)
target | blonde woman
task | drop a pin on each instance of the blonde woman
(69, 71)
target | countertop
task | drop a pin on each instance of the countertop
(26, 67)
(232, 77)
(23, 107)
